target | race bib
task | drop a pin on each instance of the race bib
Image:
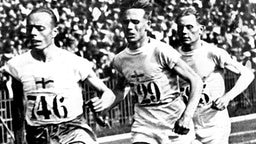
(46, 106)
(147, 94)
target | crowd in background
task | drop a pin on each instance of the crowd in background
(91, 28)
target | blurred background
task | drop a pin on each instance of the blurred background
(91, 29)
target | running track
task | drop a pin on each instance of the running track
(243, 132)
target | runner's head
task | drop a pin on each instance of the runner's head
(189, 28)
(41, 28)
(135, 16)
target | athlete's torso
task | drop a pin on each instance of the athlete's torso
(51, 89)
(150, 74)
(149, 71)
(208, 62)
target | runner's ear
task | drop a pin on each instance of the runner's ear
(202, 28)
(54, 32)
(148, 25)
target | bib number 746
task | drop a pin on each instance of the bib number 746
(47, 106)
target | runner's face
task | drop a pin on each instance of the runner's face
(40, 30)
(135, 25)
(189, 30)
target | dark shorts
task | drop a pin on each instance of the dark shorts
(75, 131)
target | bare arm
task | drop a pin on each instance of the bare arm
(15, 91)
(246, 76)
(107, 97)
(18, 111)
(196, 88)
(121, 91)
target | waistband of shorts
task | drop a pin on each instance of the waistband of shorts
(163, 102)
(78, 119)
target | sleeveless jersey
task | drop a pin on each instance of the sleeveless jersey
(51, 89)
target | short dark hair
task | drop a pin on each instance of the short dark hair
(185, 11)
(141, 4)
(46, 10)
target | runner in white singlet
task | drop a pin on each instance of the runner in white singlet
(149, 68)
(51, 84)
(211, 119)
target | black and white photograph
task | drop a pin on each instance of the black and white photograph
(127, 72)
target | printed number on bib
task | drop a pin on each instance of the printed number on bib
(148, 94)
(46, 106)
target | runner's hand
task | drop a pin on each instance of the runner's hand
(180, 129)
(97, 116)
(182, 125)
(220, 103)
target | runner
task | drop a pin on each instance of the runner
(149, 68)
(49, 78)
(211, 119)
